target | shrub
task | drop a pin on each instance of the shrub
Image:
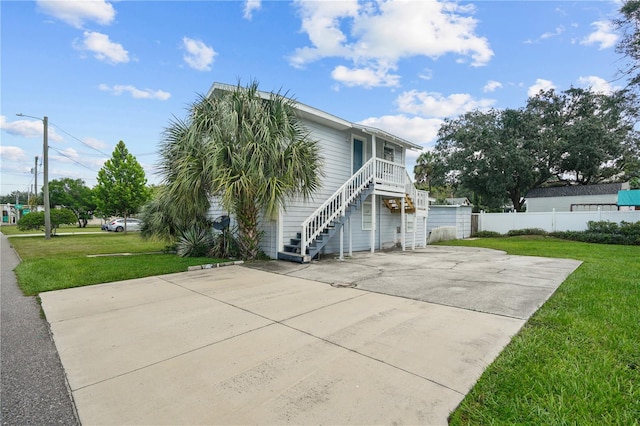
(526, 231)
(487, 234)
(630, 228)
(602, 227)
(35, 220)
(605, 233)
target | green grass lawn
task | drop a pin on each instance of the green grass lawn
(577, 360)
(62, 261)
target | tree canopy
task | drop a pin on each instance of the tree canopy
(493, 154)
(247, 149)
(121, 184)
(23, 197)
(573, 137)
(629, 44)
(74, 195)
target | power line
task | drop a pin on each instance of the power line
(66, 156)
(94, 148)
(79, 140)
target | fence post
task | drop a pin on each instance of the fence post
(553, 220)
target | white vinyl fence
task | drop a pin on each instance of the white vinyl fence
(551, 221)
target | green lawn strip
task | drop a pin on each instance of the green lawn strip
(81, 245)
(13, 230)
(38, 275)
(62, 262)
(577, 360)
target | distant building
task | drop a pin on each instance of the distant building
(461, 201)
(629, 199)
(575, 198)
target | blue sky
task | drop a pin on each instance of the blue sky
(104, 71)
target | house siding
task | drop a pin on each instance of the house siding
(336, 151)
(387, 232)
(335, 147)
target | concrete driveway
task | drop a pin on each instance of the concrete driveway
(239, 345)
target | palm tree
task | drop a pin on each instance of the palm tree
(248, 149)
(424, 169)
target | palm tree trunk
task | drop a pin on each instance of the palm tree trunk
(249, 234)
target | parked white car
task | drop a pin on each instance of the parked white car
(117, 225)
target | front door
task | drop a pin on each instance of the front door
(358, 155)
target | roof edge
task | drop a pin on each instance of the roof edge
(327, 118)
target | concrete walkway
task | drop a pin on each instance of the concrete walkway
(237, 345)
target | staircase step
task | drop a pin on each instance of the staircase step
(292, 248)
(294, 257)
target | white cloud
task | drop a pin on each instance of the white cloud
(136, 93)
(491, 86)
(103, 49)
(541, 84)
(250, 6)
(12, 153)
(28, 128)
(434, 104)
(429, 29)
(76, 13)
(366, 77)
(559, 30)
(67, 155)
(603, 35)
(418, 130)
(199, 56)
(598, 84)
(427, 74)
(94, 143)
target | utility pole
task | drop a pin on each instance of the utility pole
(45, 184)
(35, 189)
(45, 172)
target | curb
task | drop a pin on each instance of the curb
(214, 265)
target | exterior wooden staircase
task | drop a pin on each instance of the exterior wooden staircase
(395, 204)
(292, 251)
(390, 179)
(322, 224)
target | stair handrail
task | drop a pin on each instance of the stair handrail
(336, 204)
(420, 197)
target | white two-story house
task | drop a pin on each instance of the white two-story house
(367, 200)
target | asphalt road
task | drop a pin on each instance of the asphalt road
(33, 388)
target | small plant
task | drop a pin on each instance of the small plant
(224, 245)
(194, 242)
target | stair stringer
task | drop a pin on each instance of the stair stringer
(292, 251)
